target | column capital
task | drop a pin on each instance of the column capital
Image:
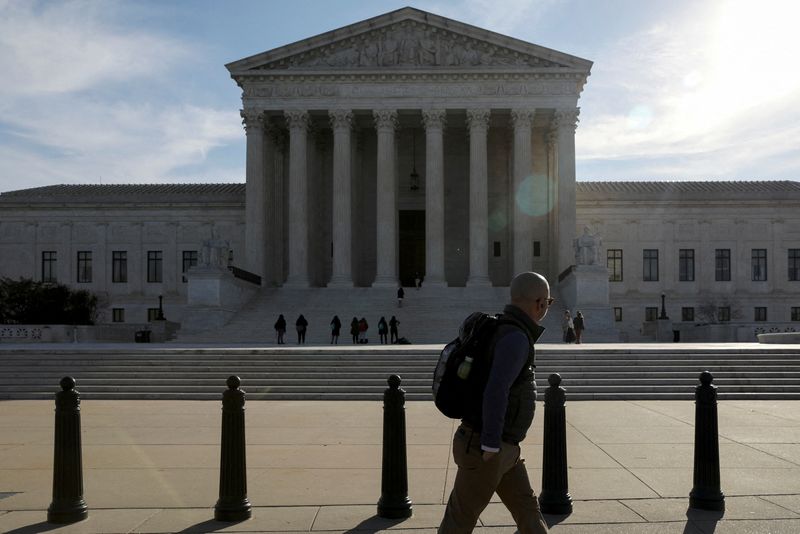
(478, 118)
(341, 119)
(551, 137)
(566, 118)
(433, 119)
(252, 119)
(297, 119)
(522, 118)
(385, 119)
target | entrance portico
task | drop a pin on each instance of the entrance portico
(337, 123)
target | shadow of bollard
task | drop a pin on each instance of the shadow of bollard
(555, 497)
(68, 505)
(394, 502)
(706, 493)
(232, 504)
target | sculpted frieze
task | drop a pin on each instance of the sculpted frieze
(312, 90)
(409, 44)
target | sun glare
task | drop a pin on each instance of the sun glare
(751, 50)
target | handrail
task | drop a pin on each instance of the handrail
(566, 273)
(247, 276)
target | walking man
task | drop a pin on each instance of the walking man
(486, 445)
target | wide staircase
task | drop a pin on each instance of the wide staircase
(360, 373)
(428, 315)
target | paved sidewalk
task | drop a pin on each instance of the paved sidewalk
(152, 466)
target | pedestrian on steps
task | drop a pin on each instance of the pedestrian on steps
(400, 294)
(580, 326)
(363, 326)
(280, 329)
(568, 327)
(336, 328)
(301, 325)
(393, 322)
(354, 330)
(383, 331)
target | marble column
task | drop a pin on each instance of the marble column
(255, 230)
(342, 273)
(298, 198)
(478, 122)
(386, 213)
(434, 121)
(565, 122)
(522, 120)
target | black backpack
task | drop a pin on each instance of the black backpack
(456, 397)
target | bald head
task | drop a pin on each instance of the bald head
(527, 287)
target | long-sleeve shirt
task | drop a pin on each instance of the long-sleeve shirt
(510, 355)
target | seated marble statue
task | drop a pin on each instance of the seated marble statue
(587, 248)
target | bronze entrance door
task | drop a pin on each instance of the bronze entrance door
(412, 246)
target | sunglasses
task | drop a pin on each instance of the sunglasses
(549, 300)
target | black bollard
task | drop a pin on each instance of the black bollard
(555, 497)
(68, 505)
(232, 504)
(394, 502)
(706, 493)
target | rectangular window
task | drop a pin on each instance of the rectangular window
(794, 264)
(154, 266)
(118, 315)
(189, 260)
(760, 313)
(614, 264)
(84, 266)
(618, 314)
(722, 265)
(49, 266)
(119, 266)
(686, 265)
(650, 265)
(152, 314)
(759, 262)
(651, 313)
(724, 314)
(687, 314)
(497, 249)
(795, 313)
(537, 248)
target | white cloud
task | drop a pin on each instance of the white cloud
(714, 92)
(71, 112)
(63, 47)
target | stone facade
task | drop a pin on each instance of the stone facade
(337, 124)
(754, 224)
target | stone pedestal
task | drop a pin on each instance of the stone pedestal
(664, 331)
(214, 295)
(585, 288)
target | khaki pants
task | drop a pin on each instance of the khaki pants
(477, 480)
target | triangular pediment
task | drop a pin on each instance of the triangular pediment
(408, 39)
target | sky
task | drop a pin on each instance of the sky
(116, 91)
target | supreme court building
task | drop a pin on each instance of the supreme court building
(409, 144)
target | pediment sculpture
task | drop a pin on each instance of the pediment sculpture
(409, 44)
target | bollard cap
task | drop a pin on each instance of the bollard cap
(67, 383)
(706, 378)
(554, 380)
(233, 382)
(394, 381)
